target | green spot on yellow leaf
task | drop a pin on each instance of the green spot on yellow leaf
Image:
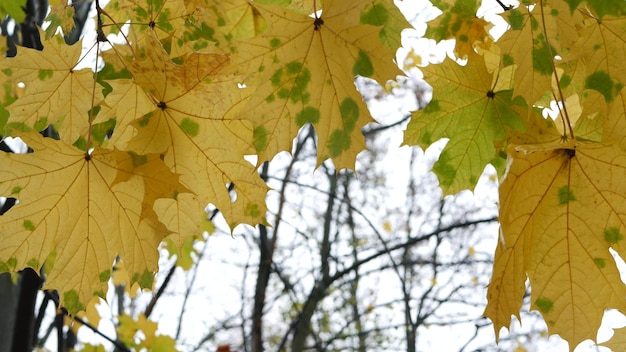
(544, 304)
(16, 190)
(308, 114)
(542, 61)
(612, 235)
(190, 127)
(259, 136)
(253, 210)
(349, 113)
(145, 280)
(33, 263)
(363, 65)
(507, 60)
(294, 67)
(602, 82)
(145, 119)
(49, 262)
(44, 74)
(28, 225)
(338, 142)
(516, 19)
(12, 263)
(565, 80)
(283, 93)
(444, 170)
(276, 78)
(600, 262)
(565, 195)
(105, 276)
(377, 15)
(71, 302)
(433, 106)
(137, 159)
(41, 124)
(81, 143)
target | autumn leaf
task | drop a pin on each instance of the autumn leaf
(545, 201)
(303, 61)
(240, 19)
(183, 217)
(465, 109)
(187, 121)
(618, 341)
(84, 208)
(526, 46)
(459, 21)
(602, 49)
(55, 92)
(128, 329)
(615, 123)
(61, 15)
(181, 32)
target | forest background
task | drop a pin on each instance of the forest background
(193, 88)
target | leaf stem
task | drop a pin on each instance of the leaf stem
(562, 110)
(93, 100)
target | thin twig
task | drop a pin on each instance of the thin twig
(117, 344)
(156, 297)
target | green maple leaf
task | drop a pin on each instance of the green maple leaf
(466, 110)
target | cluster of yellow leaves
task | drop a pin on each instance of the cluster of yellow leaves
(563, 192)
(154, 128)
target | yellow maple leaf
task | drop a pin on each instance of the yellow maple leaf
(125, 103)
(526, 46)
(55, 92)
(183, 220)
(61, 15)
(617, 341)
(87, 209)
(182, 27)
(241, 19)
(459, 21)
(546, 201)
(127, 332)
(601, 47)
(615, 122)
(304, 68)
(188, 121)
